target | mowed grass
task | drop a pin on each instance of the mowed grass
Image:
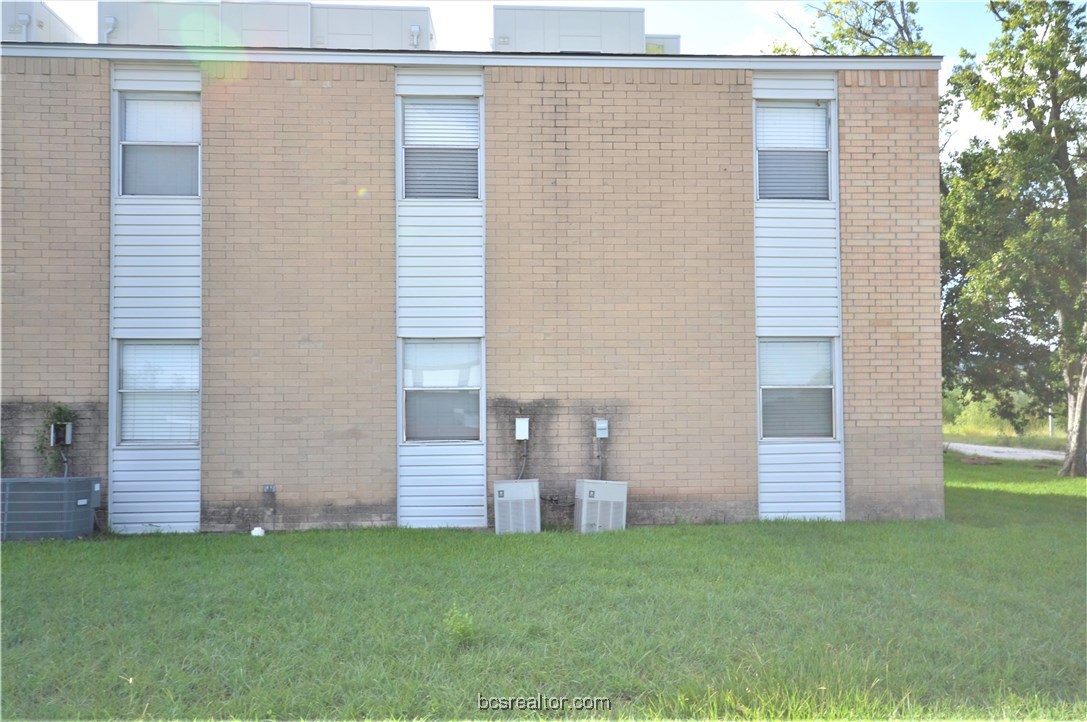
(982, 615)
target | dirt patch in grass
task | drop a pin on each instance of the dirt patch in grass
(980, 461)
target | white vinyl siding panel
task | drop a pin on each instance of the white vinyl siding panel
(796, 269)
(794, 85)
(155, 295)
(442, 485)
(801, 481)
(435, 81)
(156, 268)
(440, 292)
(154, 490)
(173, 77)
(440, 273)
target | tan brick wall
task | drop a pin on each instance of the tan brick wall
(620, 283)
(890, 226)
(299, 295)
(55, 227)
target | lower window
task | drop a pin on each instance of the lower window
(442, 382)
(796, 378)
(159, 392)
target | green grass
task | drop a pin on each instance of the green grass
(982, 615)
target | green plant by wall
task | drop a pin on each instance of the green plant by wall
(51, 455)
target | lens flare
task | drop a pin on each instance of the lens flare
(362, 192)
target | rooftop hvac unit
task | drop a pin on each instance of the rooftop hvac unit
(517, 506)
(600, 505)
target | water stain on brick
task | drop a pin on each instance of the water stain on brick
(229, 517)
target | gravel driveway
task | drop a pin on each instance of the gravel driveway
(1005, 452)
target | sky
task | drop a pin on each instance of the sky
(732, 27)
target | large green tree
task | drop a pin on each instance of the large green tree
(1015, 220)
(860, 27)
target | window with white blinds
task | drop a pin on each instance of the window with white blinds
(796, 379)
(159, 390)
(160, 145)
(442, 383)
(793, 151)
(441, 147)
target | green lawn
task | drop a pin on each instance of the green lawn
(983, 615)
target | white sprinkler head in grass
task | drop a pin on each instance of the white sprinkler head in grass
(257, 531)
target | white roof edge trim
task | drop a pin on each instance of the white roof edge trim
(421, 59)
(569, 7)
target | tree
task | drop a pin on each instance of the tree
(860, 27)
(1015, 220)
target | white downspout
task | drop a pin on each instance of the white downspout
(111, 25)
(23, 21)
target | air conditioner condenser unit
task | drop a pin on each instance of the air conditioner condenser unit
(600, 505)
(517, 506)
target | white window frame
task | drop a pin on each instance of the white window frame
(119, 392)
(831, 107)
(401, 184)
(404, 389)
(122, 97)
(834, 386)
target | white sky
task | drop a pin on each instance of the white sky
(707, 28)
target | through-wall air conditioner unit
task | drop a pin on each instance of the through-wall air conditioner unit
(600, 505)
(517, 506)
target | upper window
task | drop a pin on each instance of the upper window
(794, 151)
(441, 147)
(160, 145)
(159, 390)
(796, 379)
(442, 382)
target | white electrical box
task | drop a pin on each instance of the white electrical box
(600, 505)
(60, 434)
(601, 428)
(520, 428)
(517, 506)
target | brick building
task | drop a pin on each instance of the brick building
(345, 273)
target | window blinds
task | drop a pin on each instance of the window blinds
(441, 147)
(795, 363)
(439, 364)
(160, 152)
(162, 121)
(160, 392)
(160, 170)
(442, 382)
(797, 380)
(797, 413)
(793, 152)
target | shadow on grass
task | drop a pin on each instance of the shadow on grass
(989, 508)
